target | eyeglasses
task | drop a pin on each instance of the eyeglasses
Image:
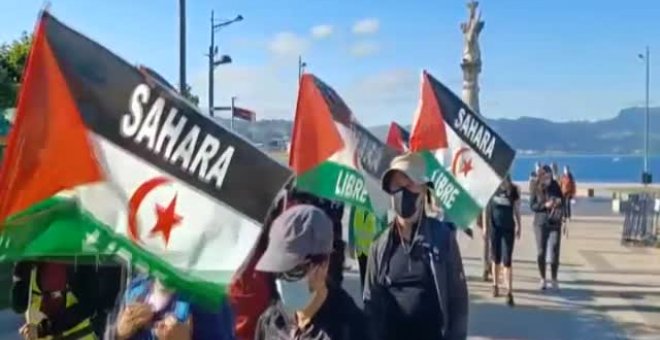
(301, 270)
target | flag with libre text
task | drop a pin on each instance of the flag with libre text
(331, 153)
(146, 176)
(467, 160)
(335, 157)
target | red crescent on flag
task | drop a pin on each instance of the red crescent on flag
(136, 200)
(454, 161)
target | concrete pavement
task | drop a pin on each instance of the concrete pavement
(607, 291)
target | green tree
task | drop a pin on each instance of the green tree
(190, 96)
(13, 57)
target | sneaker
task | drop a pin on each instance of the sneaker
(509, 300)
(543, 284)
(496, 291)
(555, 285)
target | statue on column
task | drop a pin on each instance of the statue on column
(471, 61)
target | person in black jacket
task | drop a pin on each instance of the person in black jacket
(545, 202)
(300, 244)
(415, 285)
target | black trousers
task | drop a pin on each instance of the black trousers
(566, 206)
(501, 245)
(548, 237)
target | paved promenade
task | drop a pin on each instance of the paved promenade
(607, 291)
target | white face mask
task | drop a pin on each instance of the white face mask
(295, 295)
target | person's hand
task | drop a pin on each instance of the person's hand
(549, 204)
(518, 231)
(171, 329)
(564, 230)
(133, 318)
(28, 332)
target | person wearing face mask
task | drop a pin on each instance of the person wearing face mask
(415, 286)
(545, 202)
(307, 305)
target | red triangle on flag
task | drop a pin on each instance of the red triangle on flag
(395, 138)
(48, 149)
(428, 127)
(315, 137)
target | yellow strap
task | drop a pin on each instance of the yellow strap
(34, 315)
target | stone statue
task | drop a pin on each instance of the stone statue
(471, 61)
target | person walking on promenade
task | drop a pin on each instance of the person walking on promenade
(568, 189)
(415, 286)
(504, 222)
(545, 202)
(555, 171)
(300, 245)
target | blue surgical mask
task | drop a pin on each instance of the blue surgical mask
(295, 295)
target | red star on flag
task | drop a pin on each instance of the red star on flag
(167, 219)
(467, 167)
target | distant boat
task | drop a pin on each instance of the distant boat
(616, 159)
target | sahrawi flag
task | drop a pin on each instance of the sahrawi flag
(332, 155)
(147, 176)
(467, 159)
(335, 157)
(398, 138)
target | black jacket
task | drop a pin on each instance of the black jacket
(542, 194)
(439, 238)
(337, 319)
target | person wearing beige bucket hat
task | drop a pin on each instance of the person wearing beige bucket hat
(415, 285)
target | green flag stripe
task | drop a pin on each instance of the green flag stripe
(57, 227)
(338, 182)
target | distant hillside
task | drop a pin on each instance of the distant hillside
(622, 134)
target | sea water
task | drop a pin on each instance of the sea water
(602, 169)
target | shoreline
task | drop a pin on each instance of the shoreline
(600, 189)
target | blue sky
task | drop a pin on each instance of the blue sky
(559, 59)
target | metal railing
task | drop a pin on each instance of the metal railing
(640, 225)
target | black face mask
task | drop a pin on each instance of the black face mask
(405, 202)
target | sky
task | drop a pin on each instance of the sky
(555, 59)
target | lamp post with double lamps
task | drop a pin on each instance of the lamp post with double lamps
(213, 51)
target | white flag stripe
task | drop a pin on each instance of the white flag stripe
(210, 236)
(481, 181)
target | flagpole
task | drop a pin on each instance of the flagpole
(182, 47)
(233, 100)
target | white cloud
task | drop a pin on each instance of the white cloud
(364, 48)
(366, 26)
(287, 44)
(322, 31)
(268, 89)
(271, 89)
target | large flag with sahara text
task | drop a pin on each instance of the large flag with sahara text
(467, 159)
(146, 176)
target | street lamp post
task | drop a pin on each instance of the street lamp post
(213, 51)
(646, 175)
(182, 47)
